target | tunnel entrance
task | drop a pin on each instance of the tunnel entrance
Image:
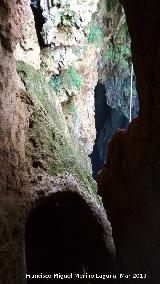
(63, 236)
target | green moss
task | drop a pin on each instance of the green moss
(118, 51)
(49, 147)
(95, 33)
(55, 82)
(119, 54)
(68, 79)
(72, 78)
(110, 4)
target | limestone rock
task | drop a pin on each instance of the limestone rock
(65, 21)
(28, 48)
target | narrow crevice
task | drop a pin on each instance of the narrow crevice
(39, 20)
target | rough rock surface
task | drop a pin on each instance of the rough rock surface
(12, 147)
(28, 48)
(114, 64)
(65, 21)
(84, 101)
(66, 33)
(129, 182)
(74, 40)
(38, 155)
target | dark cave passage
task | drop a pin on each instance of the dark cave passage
(39, 20)
(107, 121)
(63, 236)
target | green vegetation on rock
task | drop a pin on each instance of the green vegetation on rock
(119, 54)
(49, 147)
(68, 79)
(111, 4)
(72, 78)
(117, 60)
(55, 82)
(68, 18)
(95, 33)
(118, 51)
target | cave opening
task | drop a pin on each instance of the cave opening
(115, 95)
(63, 236)
(107, 121)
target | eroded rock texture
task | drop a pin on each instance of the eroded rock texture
(39, 156)
(129, 182)
(28, 48)
(114, 72)
(12, 151)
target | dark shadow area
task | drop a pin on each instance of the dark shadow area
(39, 20)
(107, 121)
(63, 236)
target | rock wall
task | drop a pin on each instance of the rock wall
(74, 41)
(12, 147)
(66, 58)
(114, 64)
(28, 47)
(40, 155)
(47, 118)
(114, 73)
(129, 182)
